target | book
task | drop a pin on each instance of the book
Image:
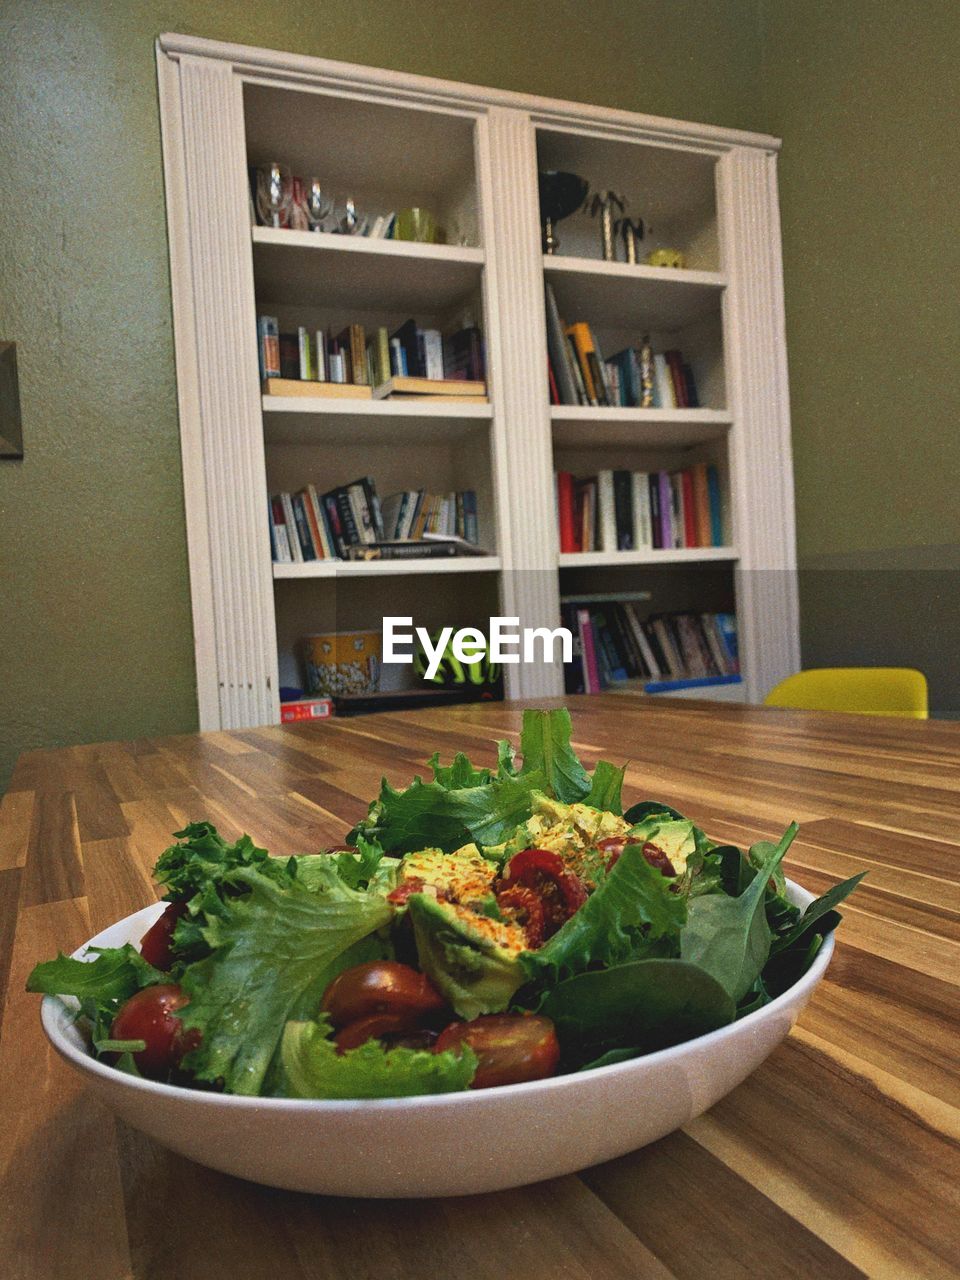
(268, 343)
(406, 336)
(463, 354)
(566, 513)
(623, 509)
(289, 356)
(726, 625)
(306, 709)
(643, 643)
(278, 523)
(433, 354)
(290, 523)
(305, 354)
(656, 523)
(665, 497)
(326, 540)
(325, 390)
(559, 350)
(573, 670)
(314, 523)
(352, 342)
(444, 387)
(587, 505)
(675, 366)
(331, 509)
(663, 394)
(701, 504)
(718, 651)
(586, 352)
(716, 510)
(304, 532)
(642, 530)
(591, 673)
(414, 550)
(606, 511)
(320, 347)
(690, 535)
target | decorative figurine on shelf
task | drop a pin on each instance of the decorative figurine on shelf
(316, 206)
(604, 203)
(666, 258)
(560, 195)
(274, 187)
(646, 373)
(631, 232)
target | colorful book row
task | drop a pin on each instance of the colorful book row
(640, 510)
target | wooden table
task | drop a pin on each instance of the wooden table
(839, 1157)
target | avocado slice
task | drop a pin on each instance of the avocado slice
(676, 838)
(471, 959)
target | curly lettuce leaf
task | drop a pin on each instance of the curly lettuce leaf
(275, 950)
(202, 857)
(312, 1067)
(459, 774)
(632, 908)
(116, 974)
(545, 746)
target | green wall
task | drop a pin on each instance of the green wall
(866, 97)
(96, 634)
(94, 601)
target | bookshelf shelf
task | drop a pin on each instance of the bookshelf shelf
(305, 421)
(386, 568)
(639, 296)
(579, 426)
(299, 267)
(679, 555)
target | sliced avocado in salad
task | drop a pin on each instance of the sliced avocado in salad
(471, 958)
(675, 838)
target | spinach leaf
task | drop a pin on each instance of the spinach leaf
(646, 1005)
(650, 808)
(729, 937)
(821, 910)
(610, 1057)
(545, 744)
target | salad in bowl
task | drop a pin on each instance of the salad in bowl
(487, 927)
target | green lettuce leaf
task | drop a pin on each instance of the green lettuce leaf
(459, 774)
(730, 938)
(605, 787)
(632, 908)
(274, 952)
(312, 1067)
(202, 857)
(546, 749)
(115, 975)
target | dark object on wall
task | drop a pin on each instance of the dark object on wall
(11, 427)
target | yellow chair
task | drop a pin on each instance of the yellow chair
(868, 691)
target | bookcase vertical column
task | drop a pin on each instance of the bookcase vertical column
(236, 535)
(760, 452)
(507, 164)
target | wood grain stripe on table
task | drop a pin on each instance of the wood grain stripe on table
(839, 1157)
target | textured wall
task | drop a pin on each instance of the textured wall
(94, 601)
(866, 97)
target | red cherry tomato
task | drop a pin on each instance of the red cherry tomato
(510, 1048)
(542, 870)
(151, 1016)
(614, 846)
(375, 1027)
(380, 986)
(155, 943)
(526, 907)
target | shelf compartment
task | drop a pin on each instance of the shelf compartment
(322, 268)
(386, 568)
(638, 296)
(305, 421)
(676, 555)
(582, 426)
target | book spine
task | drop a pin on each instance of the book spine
(726, 624)
(675, 365)
(591, 672)
(689, 382)
(663, 384)
(306, 355)
(666, 509)
(320, 345)
(268, 330)
(413, 551)
(565, 512)
(607, 511)
(701, 505)
(642, 531)
(690, 536)
(280, 527)
(361, 512)
(643, 644)
(331, 509)
(290, 520)
(358, 354)
(572, 670)
(433, 353)
(313, 523)
(304, 532)
(623, 509)
(656, 524)
(350, 531)
(716, 508)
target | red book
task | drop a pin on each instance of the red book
(566, 509)
(554, 393)
(675, 364)
(690, 536)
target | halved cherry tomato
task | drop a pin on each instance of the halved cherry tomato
(526, 907)
(381, 987)
(151, 1016)
(614, 846)
(542, 870)
(155, 943)
(510, 1048)
(374, 1027)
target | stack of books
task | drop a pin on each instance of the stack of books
(579, 374)
(613, 644)
(349, 523)
(411, 360)
(640, 510)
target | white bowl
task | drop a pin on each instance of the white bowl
(447, 1144)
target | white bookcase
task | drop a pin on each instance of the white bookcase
(471, 155)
